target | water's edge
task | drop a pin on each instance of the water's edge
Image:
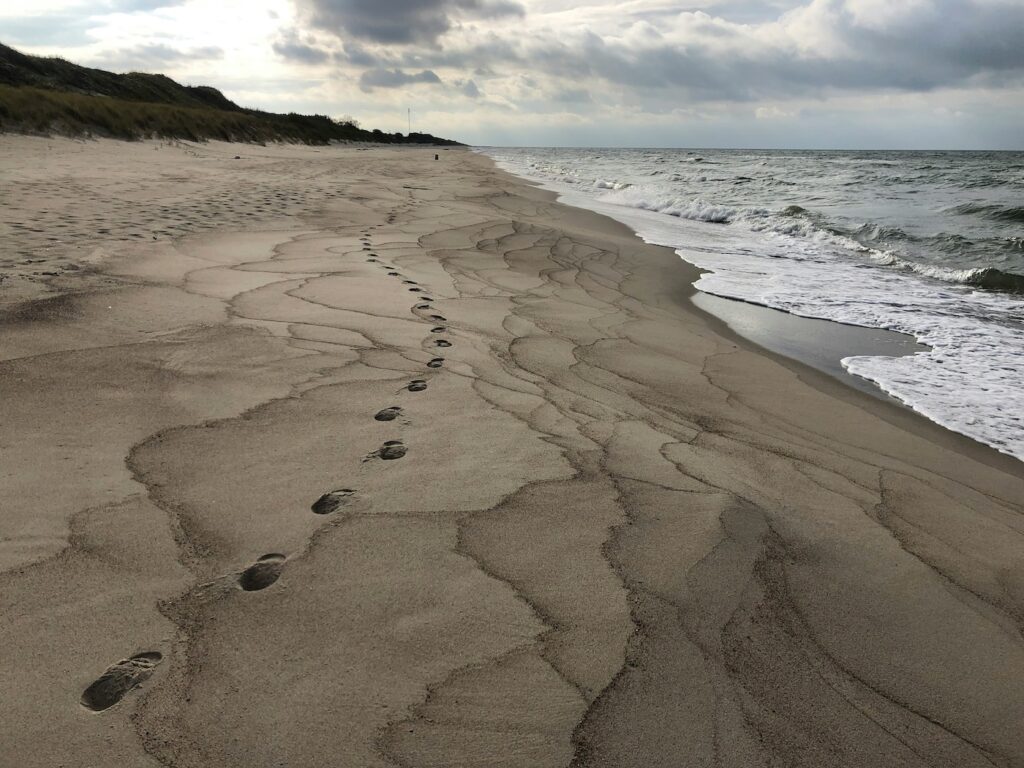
(848, 352)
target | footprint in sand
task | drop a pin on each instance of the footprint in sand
(389, 451)
(442, 343)
(417, 385)
(422, 306)
(390, 413)
(394, 274)
(438, 329)
(332, 501)
(262, 573)
(113, 684)
(416, 290)
(372, 261)
(410, 282)
(437, 362)
(438, 318)
(367, 247)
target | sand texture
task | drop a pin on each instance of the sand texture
(351, 458)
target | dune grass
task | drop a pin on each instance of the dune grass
(43, 111)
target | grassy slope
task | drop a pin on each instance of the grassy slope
(44, 95)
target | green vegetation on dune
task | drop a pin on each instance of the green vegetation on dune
(45, 95)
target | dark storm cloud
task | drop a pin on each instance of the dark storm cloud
(400, 21)
(395, 78)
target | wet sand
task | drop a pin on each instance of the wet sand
(348, 457)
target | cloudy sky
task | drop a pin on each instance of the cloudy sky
(690, 73)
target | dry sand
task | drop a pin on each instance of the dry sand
(591, 527)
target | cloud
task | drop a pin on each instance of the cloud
(400, 21)
(395, 78)
(60, 30)
(143, 6)
(294, 47)
(816, 49)
(470, 90)
(154, 57)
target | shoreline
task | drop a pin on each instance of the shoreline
(808, 363)
(424, 467)
(866, 370)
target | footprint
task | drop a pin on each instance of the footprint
(367, 247)
(417, 385)
(391, 450)
(390, 413)
(437, 362)
(113, 684)
(410, 282)
(332, 501)
(438, 329)
(442, 343)
(422, 306)
(438, 318)
(416, 290)
(394, 274)
(372, 261)
(262, 573)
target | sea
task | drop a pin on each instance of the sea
(930, 244)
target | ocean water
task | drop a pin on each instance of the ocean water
(927, 243)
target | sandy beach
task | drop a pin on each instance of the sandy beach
(349, 457)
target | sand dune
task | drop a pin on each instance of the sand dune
(349, 457)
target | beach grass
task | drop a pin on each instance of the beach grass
(48, 112)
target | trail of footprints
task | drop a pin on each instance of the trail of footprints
(120, 678)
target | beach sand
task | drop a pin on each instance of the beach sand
(351, 457)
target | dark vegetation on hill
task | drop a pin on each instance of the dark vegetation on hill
(49, 95)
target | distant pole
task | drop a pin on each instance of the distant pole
(410, 120)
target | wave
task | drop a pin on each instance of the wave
(613, 185)
(989, 278)
(796, 221)
(993, 212)
(695, 209)
(997, 280)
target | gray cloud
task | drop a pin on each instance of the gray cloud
(400, 21)
(395, 78)
(851, 46)
(292, 46)
(925, 51)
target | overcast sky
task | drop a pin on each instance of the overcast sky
(703, 73)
